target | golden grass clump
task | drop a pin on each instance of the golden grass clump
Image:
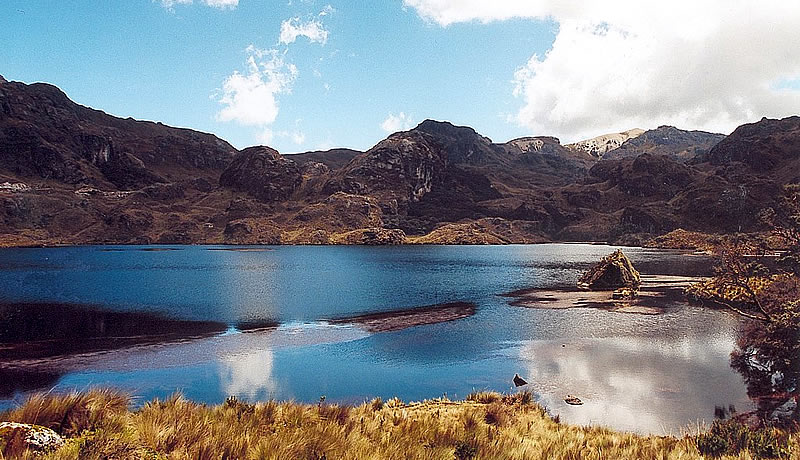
(99, 425)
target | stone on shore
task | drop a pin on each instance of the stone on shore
(15, 438)
(615, 271)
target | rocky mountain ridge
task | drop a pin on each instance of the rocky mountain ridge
(74, 175)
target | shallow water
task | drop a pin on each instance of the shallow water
(656, 374)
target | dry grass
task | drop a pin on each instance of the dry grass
(485, 426)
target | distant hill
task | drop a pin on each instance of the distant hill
(73, 175)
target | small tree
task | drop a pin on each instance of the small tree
(755, 282)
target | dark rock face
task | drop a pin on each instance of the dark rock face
(762, 146)
(405, 167)
(333, 159)
(679, 144)
(646, 175)
(44, 135)
(613, 272)
(461, 143)
(263, 173)
(374, 237)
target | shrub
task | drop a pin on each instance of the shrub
(465, 451)
(732, 437)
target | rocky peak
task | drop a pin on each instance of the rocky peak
(263, 173)
(461, 144)
(682, 145)
(535, 144)
(762, 146)
(600, 145)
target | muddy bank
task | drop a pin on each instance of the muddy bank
(402, 319)
(655, 294)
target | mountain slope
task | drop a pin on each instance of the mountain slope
(73, 175)
(44, 135)
(680, 144)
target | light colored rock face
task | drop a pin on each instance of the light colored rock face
(600, 145)
(15, 438)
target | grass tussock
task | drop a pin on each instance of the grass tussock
(100, 425)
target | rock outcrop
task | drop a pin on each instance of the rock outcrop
(263, 173)
(600, 145)
(679, 144)
(613, 272)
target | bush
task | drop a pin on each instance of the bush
(732, 437)
(465, 451)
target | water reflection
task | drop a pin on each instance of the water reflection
(637, 384)
(285, 298)
(248, 375)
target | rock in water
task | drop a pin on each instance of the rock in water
(519, 381)
(573, 400)
(15, 438)
(613, 272)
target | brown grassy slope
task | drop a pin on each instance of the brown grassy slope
(486, 426)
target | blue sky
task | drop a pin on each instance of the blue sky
(137, 58)
(354, 70)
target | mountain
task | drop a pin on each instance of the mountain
(331, 159)
(768, 146)
(73, 175)
(680, 144)
(46, 136)
(600, 145)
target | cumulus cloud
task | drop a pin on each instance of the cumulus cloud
(250, 98)
(614, 65)
(313, 30)
(399, 122)
(221, 4)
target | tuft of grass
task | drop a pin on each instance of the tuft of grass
(99, 425)
(71, 414)
(484, 397)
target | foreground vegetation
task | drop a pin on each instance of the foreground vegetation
(99, 425)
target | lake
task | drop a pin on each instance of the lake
(306, 337)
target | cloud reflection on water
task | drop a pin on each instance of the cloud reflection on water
(636, 383)
(248, 375)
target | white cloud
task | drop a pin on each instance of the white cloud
(399, 122)
(221, 4)
(292, 28)
(250, 98)
(616, 64)
(327, 10)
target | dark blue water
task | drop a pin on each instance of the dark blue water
(650, 373)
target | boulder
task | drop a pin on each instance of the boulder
(613, 272)
(15, 438)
